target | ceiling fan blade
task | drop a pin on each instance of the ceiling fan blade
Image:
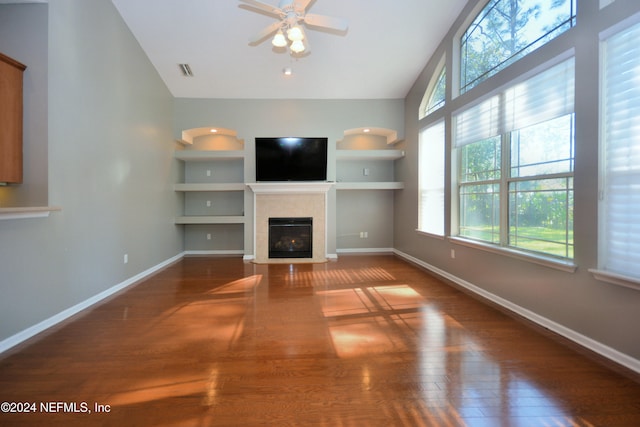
(303, 4)
(339, 24)
(265, 7)
(266, 32)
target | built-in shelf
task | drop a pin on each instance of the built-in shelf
(27, 212)
(369, 154)
(238, 219)
(190, 134)
(207, 156)
(369, 185)
(210, 187)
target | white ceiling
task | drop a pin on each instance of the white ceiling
(387, 45)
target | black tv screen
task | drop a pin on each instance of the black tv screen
(291, 159)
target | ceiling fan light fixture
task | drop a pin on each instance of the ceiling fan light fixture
(279, 40)
(295, 33)
(297, 46)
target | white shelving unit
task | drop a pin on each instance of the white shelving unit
(211, 157)
(208, 156)
(218, 219)
(369, 185)
(369, 154)
(209, 187)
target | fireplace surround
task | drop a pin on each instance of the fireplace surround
(290, 200)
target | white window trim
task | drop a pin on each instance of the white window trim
(616, 279)
(426, 233)
(430, 88)
(546, 261)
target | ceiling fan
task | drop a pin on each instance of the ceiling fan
(289, 31)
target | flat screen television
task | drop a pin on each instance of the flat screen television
(291, 159)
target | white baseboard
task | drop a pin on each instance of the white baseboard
(586, 342)
(223, 252)
(366, 251)
(30, 332)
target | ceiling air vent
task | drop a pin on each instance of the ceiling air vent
(186, 70)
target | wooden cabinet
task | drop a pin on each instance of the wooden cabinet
(11, 110)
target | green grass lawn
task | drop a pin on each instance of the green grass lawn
(537, 239)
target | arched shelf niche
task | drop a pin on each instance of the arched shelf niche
(189, 136)
(390, 135)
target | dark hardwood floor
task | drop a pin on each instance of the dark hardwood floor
(364, 341)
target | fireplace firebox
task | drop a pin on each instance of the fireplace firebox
(290, 237)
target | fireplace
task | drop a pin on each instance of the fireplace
(290, 200)
(290, 237)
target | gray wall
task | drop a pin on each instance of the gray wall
(110, 168)
(330, 118)
(599, 311)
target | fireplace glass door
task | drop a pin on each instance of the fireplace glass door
(290, 237)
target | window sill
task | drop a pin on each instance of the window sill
(566, 266)
(425, 233)
(616, 279)
(27, 212)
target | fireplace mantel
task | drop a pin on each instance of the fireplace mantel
(286, 187)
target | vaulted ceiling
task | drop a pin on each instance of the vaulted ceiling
(386, 46)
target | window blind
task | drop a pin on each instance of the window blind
(431, 156)
(620, 227)
(479, 122)
(545, 96)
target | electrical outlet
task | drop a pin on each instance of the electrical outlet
(126, 258)
(208, 236)
(208, 172)
(208, 203)
(453, 253)
(366, 234)
(365, 171)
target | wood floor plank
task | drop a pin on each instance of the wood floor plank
(362, 341)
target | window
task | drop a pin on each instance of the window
(515, 165)
(620, 172)
(431, 204)
(434, 97)
(507, 30)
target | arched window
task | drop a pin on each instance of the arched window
(505, 31)
(434, 96)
